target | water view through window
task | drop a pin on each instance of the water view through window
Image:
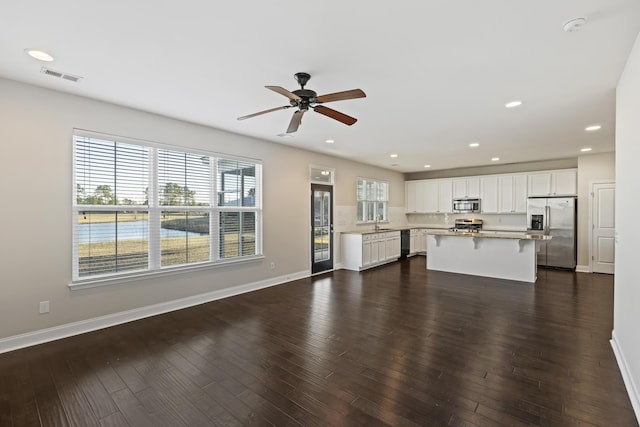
(143, 208)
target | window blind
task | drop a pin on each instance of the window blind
(146, 208)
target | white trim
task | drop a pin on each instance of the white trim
(332, 172)
(583, 269)
(632, 388)
(70, 329)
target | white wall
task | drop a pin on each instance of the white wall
(35, 171)
(591, 168)
(626, 319)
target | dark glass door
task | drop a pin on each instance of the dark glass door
(321, 228)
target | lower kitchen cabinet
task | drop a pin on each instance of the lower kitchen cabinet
(418, 242)
(362, 251)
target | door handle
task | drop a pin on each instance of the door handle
(547, 211)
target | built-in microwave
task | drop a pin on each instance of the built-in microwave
(466, 205)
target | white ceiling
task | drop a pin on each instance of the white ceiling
(437, 73)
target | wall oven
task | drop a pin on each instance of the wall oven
(466, 205)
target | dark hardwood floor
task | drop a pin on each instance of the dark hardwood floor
(395, 345)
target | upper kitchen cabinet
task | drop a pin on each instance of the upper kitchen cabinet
(445, 196)
(438, 196)
(429, 196)
(553, 183)
(489, 194)
(415, 194)
(512, 193)
(466, 188)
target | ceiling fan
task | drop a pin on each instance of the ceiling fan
(303, 99)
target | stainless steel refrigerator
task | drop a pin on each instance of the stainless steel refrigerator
(556, 217)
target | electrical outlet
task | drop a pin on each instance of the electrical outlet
(44, 307)
(272, 265)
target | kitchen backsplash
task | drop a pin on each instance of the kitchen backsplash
(490, 222)
(345, 220)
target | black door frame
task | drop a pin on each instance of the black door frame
(324, 265)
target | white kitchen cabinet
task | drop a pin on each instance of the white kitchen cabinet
(564, 183)
(415, 194)
(413, 241)
(361, 251)
(422, 242)
(445, 196)
(438, 196)
(431, 196)
(512, 193)
(553, 183)
(418, 241)
(489, 194)
(466, 188)
(392, 245)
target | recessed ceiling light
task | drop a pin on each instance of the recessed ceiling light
(329, 141)
(593, 128)
(513, 104)
(427, 166)
(474, 144)
(394, 164)
(40, 55)
(393, 156)
(585, 149)
(495, 159)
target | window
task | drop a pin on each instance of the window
(141, 208)
(372, 198)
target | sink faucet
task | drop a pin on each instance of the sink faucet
(376, 226)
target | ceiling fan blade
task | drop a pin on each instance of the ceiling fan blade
(264, 112)
(341, 96)
(283, 91)
(295, 121)
(336, 115)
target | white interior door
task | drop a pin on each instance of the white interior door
(603, 228)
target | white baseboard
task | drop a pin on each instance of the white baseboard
(583, 269)
(63, 331)
(632, 387)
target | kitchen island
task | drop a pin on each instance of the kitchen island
(498, 255)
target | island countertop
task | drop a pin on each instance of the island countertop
(493, 235)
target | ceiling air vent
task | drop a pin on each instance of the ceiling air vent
(60, 75)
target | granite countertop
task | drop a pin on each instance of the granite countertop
(498, 235)
(444, 228)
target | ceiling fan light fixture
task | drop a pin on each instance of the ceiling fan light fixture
(305, 99)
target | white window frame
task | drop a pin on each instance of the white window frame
(154, 210)
(372, 203)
